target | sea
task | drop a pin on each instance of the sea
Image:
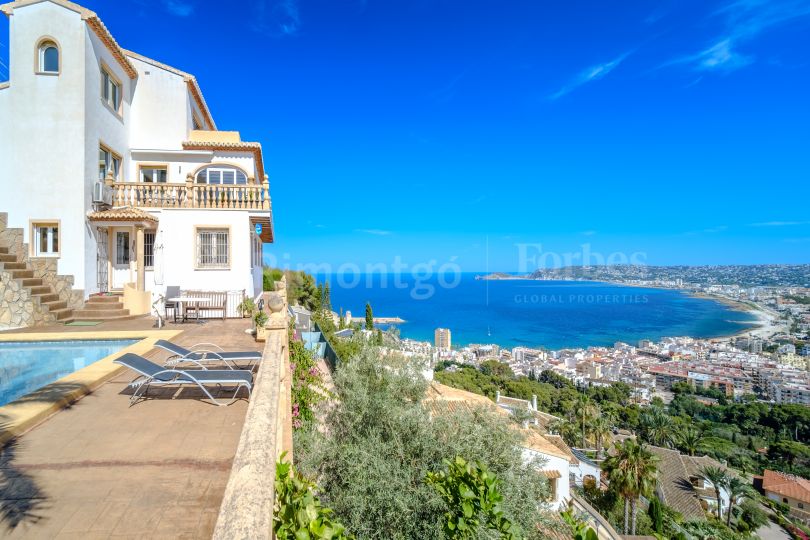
(532, 313)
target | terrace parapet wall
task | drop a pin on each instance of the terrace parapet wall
(247, 506)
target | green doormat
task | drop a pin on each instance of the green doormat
(83, 323)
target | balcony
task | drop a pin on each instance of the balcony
(190, 195)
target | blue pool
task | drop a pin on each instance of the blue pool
(27, 366)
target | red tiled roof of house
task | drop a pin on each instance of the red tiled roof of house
(787, 485)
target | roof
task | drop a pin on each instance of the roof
(786, 485)
(514, 402)
(675, 471)
(558, 441)
(92, 20)
(441, 399)
(580, 455)
(124, 213)
(253, 147)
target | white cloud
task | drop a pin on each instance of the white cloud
(181, 9)
(277, 17)
(743, 20)
(376, 232)
(779, 223)
(593, 73)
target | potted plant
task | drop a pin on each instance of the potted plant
(260, 319)
(247, 308)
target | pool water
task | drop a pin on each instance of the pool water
(28, 366)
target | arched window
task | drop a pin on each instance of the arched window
(48, 57)
(221, 174)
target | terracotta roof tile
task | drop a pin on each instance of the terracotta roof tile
(124, 213)
(787, 485)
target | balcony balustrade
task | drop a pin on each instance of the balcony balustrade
(191, 195)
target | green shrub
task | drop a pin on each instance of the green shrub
(298, 514)
(473, 497)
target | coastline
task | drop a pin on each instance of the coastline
(765, 325)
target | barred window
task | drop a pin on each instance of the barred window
(149, 249)
(212, 248)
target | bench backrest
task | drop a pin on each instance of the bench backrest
(219, 299)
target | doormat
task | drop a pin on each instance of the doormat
(83, 323)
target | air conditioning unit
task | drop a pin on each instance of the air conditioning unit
(102, 193)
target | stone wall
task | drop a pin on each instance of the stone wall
(18, 309)
(45, 269)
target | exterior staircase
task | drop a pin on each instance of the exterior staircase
(101, 308)
(25, 299)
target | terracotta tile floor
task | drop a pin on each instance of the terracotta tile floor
(103, 469)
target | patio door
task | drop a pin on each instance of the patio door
(122, 255)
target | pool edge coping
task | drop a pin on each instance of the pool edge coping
(22, 415)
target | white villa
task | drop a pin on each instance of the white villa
(114, 177)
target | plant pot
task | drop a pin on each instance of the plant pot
(261, 333)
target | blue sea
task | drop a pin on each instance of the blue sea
(551, 314)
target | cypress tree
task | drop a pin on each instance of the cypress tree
(369, 317)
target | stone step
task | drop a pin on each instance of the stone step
(48, 297)
(3, 250)
(54, 305)
(21, 274)
(39, 290)
(7, 258)
(103, 306)
(99, 314)
(14, 266)
(103, 299)
(32, 282)
(62, 314)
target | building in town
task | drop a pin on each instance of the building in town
(442, 339)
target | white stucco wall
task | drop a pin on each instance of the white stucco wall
(42, 178)
(176, 233)
(160, 108)
(552, 463)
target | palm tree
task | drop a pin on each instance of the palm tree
(586, 411)
(737, 489)
(601, 428)
(657, 426)
(690, 440)
(719, 479)
(632, 471)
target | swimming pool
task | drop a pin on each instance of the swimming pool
(28, 366)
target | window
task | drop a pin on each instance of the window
(48, 57)
(154, 174)
(45, 239)
(110, 90)
(801, 505)
(149, 249)
(256, 259)
(121, 248)
(108, 163)
(212, 248)
(221, 175)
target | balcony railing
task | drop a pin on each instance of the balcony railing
(190, 195)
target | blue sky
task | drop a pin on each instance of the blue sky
(451, 131)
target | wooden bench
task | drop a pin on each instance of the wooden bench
(219, 301)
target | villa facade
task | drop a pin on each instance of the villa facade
(113, 174)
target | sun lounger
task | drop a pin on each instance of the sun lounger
(152, 374)
(204, 353)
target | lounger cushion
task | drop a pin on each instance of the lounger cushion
(182, 351)
(143, 366)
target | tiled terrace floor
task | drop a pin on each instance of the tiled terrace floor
(104, 469)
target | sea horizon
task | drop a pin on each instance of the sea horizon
(534, 313)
